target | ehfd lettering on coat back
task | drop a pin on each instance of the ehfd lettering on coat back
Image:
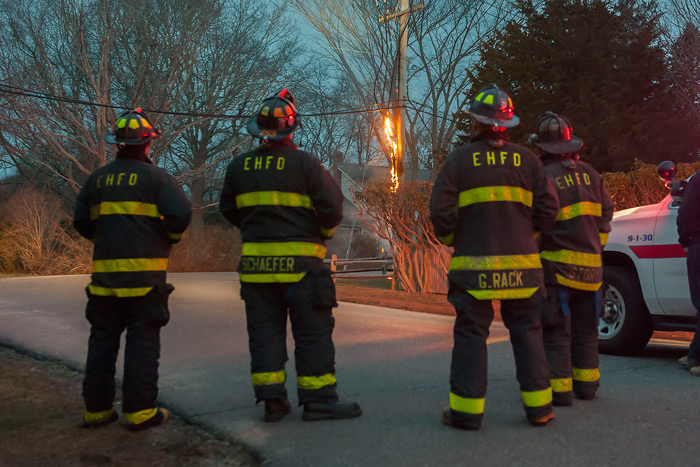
(263, 163)
(567, 181)
(117, 179)
(492, 158)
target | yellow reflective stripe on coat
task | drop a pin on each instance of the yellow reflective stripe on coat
(129, 265)
(562, 384)
(481, 263)
(315, 382)
(271, 278)
(603, 238)
(447, 239)
(328, 233)
(495, 193)
(590, 287)
(272, 377)
(135, 418)
(123, 292)
(583, 208)
(176, 236)
(467, 405)
(273, 198)
(591, 260)
(133, 208)
(586, 375)
(537, 398)
(284, 249)
(511, 294)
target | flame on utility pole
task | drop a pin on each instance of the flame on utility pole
(393, 145)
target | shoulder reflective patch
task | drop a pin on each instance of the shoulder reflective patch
(133, 208)
(284, 249)
(130, 265)
(537, 398)
(466, 404)
(273, 198)
(119, 292)
(495, 193)
(505, 294)
(315, 382)
(577, 258)
(481, 263)
(583, 208)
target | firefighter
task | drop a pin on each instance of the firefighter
(286, 205)
(489, 200)
(571, 258)
(133, 212)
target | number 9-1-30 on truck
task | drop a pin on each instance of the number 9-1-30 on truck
(645, 280)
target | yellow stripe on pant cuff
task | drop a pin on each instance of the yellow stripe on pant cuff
(94, 417)
(271, 377)
(139, 417)
(537, 398)
(586, 375)
(466, 404)
(561, 384)
(315, 382)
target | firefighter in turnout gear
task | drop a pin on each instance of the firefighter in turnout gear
(571, 257)
(133, 212)
(489, 200)
(286, 205)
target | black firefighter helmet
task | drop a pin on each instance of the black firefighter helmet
(276, 118)
(555, 135)
(492, 106)
(132, 128)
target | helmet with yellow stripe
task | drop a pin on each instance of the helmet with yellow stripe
(492, 106)
(132, 128)
(276, 118)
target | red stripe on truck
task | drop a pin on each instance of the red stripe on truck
(658, 251)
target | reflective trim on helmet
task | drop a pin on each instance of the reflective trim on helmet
(284, 249)
(480, 263)
(537, 398)
(272, 377)
(577, 258)
(273, 198)
(586, 375)
(590, 287)
(133, 208)
(495, 193)
(467, 405)
(603, 239)
(119, 292)
(583, 208)
(504, 294)
(284, 278)
(130, 265)
(561, 384)
(315, 382)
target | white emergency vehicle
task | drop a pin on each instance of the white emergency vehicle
(645, 280)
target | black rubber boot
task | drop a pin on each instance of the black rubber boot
(335, 411)
(276, 409)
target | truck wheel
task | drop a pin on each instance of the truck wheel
(626, 325)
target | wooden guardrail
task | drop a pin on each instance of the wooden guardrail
(356, 266)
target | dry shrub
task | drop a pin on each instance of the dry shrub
(216, 248)
(403, 218)
(38, 238)
(641, 185)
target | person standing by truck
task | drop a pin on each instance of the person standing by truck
(572, 262)
(688, 223)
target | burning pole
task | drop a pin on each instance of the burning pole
(394, 148)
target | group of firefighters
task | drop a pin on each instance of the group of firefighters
(527, 231)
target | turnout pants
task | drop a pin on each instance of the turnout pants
(468, 376)
(571, 342)
(142, 318)
(693, 263)
(309, 304)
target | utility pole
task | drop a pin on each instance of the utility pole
(400, 113)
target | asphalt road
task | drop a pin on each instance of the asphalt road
(396, 365)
